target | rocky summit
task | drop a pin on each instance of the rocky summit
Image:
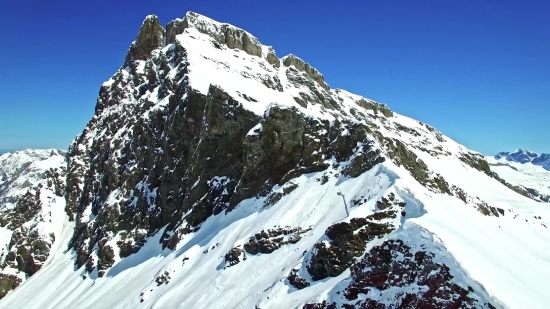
(215, 174)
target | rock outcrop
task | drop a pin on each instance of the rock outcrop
(301, 65)
(226, 34)
(150, 37)
(347, 241)
(268, 241)
(397, 274)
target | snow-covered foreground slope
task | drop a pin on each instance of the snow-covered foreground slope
(32, 212)
(216, 175)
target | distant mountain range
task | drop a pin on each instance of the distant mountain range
(525, 156)
(526, 170)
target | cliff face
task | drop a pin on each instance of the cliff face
(214, 174)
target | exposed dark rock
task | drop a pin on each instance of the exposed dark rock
(201, 145)
(347, 241)
(106, 257)
(268, 241)
(519, 189)
(503, 164)
(435, 132)
(234, 257)
(439, 183)
(389, 201)
(26, 208)
(322, 305)
(461, 194)
(296, 281)
(394, 264)
(163, 278)
(366, 159)
(150, 37)
(537, 194)
(302, 66)
(276, 196)
(283, 138)
(174, 28)
(299, 79)
(480, 205)
(295, 142)
(376, 107)
(401, 155)
(406, 129)
(479, 163)
(488, 210)
(226, 34)
(240, 39)
(8, 283)
(28, 250)
(272, 58)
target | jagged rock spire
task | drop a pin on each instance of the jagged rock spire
(149, 38)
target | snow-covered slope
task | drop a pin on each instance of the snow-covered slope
(533, 175)
(32, 204)
(216, 175)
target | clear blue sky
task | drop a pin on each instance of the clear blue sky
(477, 70)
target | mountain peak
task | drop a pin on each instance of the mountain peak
(151, 17)
(527, 152)
(149, 38)
(525, 156)
(542, 160)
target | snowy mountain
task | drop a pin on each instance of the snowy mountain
(542, 160)
(532, 176)
(524, 157)
(32, 203)
(215, 174)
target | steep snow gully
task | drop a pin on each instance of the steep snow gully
(214, 174)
